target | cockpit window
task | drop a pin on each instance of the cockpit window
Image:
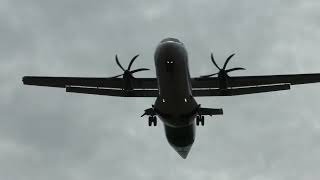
(169, 65)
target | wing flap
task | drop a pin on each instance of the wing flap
(113, 92)
(240, 91)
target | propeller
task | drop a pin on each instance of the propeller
(128, 73)
(222, 71)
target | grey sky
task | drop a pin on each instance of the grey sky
(46, 133)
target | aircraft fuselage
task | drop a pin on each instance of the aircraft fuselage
(175, 105)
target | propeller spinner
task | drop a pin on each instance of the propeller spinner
(223, 72)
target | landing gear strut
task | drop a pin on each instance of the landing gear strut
(152, 121)
(200, 120)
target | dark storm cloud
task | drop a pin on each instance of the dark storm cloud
(48, 134)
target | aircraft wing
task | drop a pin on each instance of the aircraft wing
(292, 79)
(62, 82)
(141, 87)
(240, 85)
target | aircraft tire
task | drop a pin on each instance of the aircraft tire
(198, 119)
(155, 121)
(150, 120)
(202, 120)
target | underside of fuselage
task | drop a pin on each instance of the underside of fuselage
(175, 105)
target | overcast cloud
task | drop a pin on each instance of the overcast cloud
(46, 133)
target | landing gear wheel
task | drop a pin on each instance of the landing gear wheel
(200, 120)
(152, 121)
(197, 120)
(155, 121)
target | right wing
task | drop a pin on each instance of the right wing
(240, 85)
(292, 79)
(243, 81)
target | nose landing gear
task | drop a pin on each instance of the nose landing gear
(152, 121)
(200, 120)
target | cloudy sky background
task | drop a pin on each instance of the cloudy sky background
(46, 133)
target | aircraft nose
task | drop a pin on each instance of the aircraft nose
(182, 151)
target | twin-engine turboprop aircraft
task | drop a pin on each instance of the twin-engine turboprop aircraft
(175, 90)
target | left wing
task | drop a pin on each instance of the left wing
(62, 82)
(138, 87)
(240, 85)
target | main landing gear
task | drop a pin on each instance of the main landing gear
(152, 116)
(200, 120)
(152, 121)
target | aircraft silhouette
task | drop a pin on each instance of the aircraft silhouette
(175, 90)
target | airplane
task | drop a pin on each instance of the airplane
(175, 90)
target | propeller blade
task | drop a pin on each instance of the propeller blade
(214, 62)
(207, 76)
(227, 61)
(235, 69)
(131, 62)
(116, 76)
(138, 70)
(117, 61)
